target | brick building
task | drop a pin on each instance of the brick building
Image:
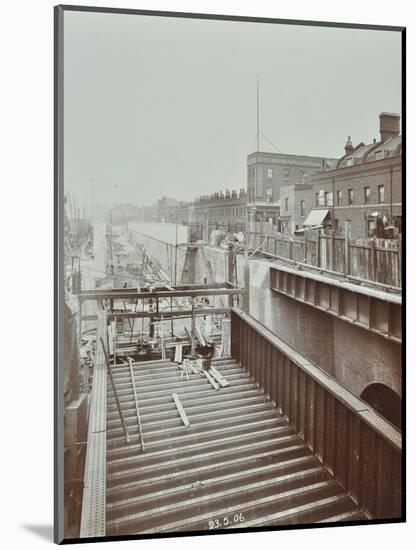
(296, 201)
(268, 173)
(166, 208)
(220, 208)
(365, 188)
(123, 213)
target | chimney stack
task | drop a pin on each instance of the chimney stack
(389, 125)
(348, 147)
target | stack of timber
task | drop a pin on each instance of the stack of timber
(212, 460)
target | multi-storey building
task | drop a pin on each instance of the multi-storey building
(296, 201)
(267, 173)
(364, 190)
(166, 208)
(123, 213)
(220, 208)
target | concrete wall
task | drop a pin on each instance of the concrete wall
(165, 232)
(166, 254)
(362, 358)
(351, 354)
(159, 240)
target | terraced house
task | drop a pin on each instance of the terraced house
(364, 189)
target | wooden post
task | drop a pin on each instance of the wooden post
(193, 326)
(246, 296)
(331, 250)
(80, 323)
(252, 227)
(120, 410)
(373, 259)
(136, 402)
(230, 277)
(115, 340)
(306, 246)
(162, 337)
(318, 248)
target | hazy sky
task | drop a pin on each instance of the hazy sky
(165, 106)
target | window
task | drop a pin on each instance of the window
(366, 195)
(269, 172)
(316, 199)
(259, 189)
(321, 198)
(286, 204)
(349, 161)
(336, 224)
(381, 193)
(339, 197)
(350, 196)
(302, 208)
(329, 199)
(269, 194)
(286, 173)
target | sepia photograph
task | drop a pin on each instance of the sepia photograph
(228, 218)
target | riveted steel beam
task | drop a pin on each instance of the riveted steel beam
(368, 308)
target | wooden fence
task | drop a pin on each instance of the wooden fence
(378, 260)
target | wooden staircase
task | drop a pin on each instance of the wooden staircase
(239, 464)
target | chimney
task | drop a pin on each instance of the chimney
(348, 146)
(389, 125)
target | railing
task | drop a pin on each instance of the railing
(93, 514)
(378, 260)
(359, 447)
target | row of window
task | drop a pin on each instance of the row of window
(302, 206)
(270, 172)
(378, 155)
(237, 211)
(259, 193)
(326, 198)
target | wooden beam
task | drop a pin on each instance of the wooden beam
(136, 402)
(120, 410)
(160, 288)
(223, 382)
(181, 410)
(122, 294)
(210, 380)
(166, 314)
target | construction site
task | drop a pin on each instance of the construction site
(186, 408)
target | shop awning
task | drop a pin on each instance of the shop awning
(316, 217)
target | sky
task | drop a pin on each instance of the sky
(157, 106)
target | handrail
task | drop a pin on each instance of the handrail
(359, 446)
(139, 420)
(93, 514)
(120, 410)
